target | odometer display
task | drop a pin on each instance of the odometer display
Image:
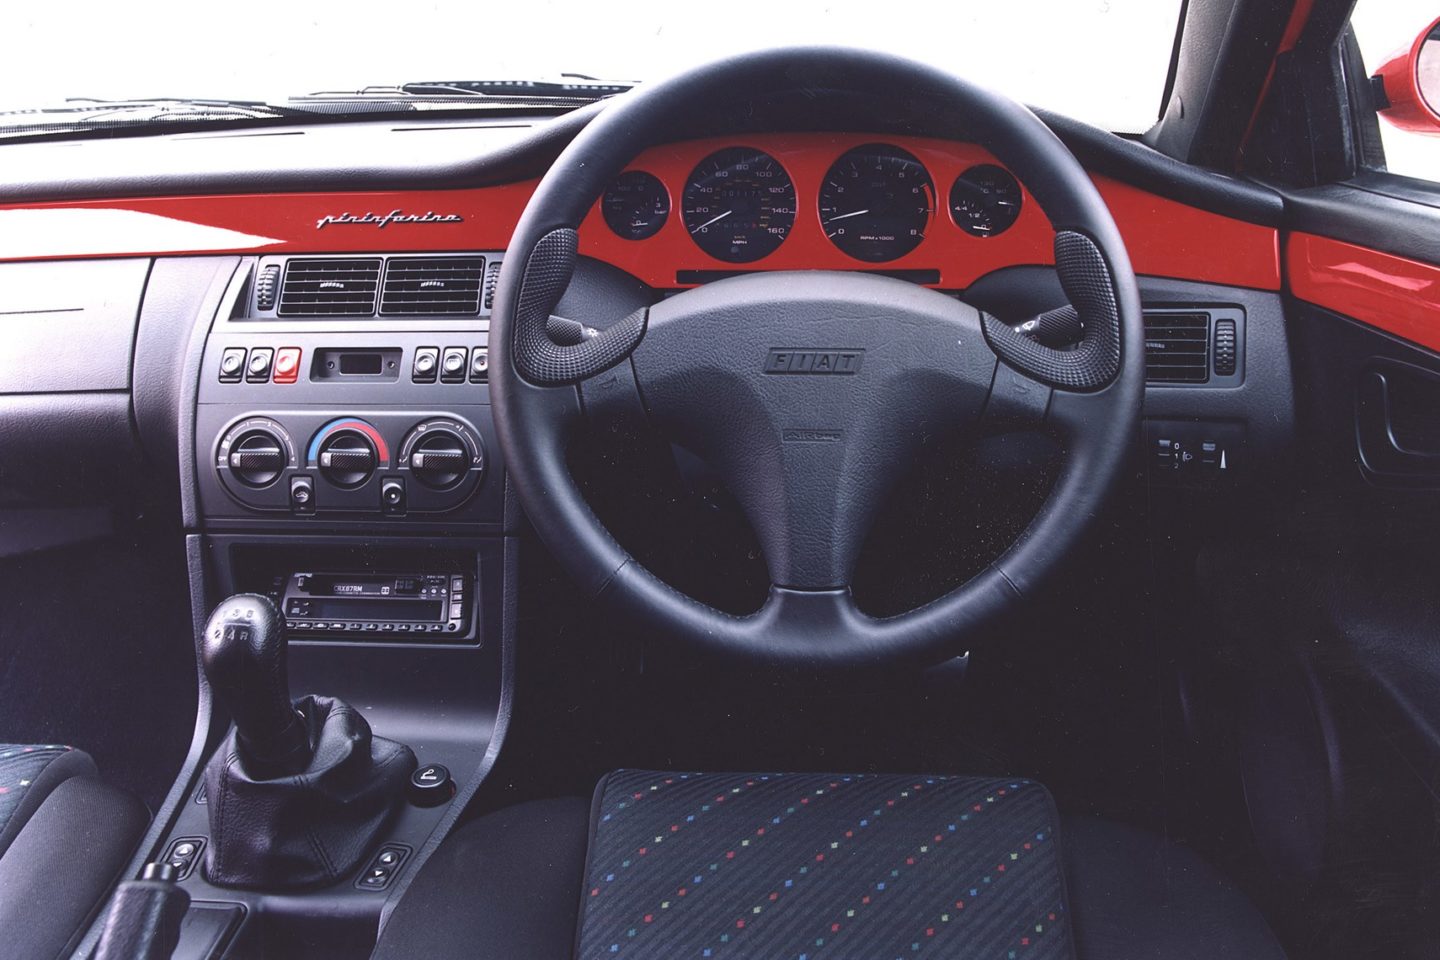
(876, 202)
(985, 200)
(636, 205)
(739, 205)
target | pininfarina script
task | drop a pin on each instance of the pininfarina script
(383, 220)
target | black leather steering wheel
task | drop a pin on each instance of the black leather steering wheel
(810, 457)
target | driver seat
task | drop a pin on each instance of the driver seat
(815, 866)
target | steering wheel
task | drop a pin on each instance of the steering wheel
(811, 392)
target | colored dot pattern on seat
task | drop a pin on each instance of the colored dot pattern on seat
(814, 866)
(20, 766)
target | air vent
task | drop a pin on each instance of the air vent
(267, 284)
(433, 286)
(1177, 347)
(330, 288)
(492, 280)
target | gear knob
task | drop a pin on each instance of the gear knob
(243, 653)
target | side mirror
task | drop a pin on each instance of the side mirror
(1407, 85)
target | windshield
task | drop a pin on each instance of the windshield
(1102, 61)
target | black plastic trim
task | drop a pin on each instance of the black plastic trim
(1358, 212)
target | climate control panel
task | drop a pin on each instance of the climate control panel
(393, 464)
(320, 426)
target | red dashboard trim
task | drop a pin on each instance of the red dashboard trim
(1391, 293)
(1165, 238)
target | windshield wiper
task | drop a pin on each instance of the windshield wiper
(571, 86)
(89, 113)
(571, 90)
(79, 115)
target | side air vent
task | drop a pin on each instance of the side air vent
(1177, 346)
(492, 280)
(330, 288)
(432, 286)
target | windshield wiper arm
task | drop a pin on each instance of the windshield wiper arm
(572, 89)
(83, 110)
(569, 87)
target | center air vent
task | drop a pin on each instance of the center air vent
(330, 288)
(433, 286)
(1177, 347)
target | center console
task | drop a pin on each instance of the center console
(343, 464)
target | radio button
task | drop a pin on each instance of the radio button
(457, 585)
(457, 610)
(388, 627)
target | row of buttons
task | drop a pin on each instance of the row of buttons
(429, 365)
(383, 867)
(354, 626)
(183, 855)
(260, 365)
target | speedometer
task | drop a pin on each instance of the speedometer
(876, 202)
(739, 204)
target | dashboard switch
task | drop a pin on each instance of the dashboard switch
(258, 370)
(479, 365)
(392, 496)
(232, 364)
(287, 364)
(426, 364)
(452, 367)
(302, 495)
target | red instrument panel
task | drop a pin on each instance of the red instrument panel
(1165, 238)
(1394, 294)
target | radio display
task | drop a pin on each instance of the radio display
(353, 608)
(360, 589)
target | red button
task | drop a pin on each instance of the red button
(287, 364)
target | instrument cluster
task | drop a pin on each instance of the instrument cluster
(875, 202)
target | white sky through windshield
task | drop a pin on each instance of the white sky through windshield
(1103, 61)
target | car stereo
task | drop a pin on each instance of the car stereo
(371, 606)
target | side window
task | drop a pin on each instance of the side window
(1382, 28)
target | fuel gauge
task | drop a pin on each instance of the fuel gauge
(636, 205)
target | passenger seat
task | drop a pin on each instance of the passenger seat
(65, 835)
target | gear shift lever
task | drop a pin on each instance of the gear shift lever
(299, 792)
(243, 653)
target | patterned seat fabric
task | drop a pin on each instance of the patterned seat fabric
(812, 866)
(28, 773)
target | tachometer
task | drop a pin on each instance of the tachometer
(985, 200)
(636, 205)
(876, 202)
(739, 204)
